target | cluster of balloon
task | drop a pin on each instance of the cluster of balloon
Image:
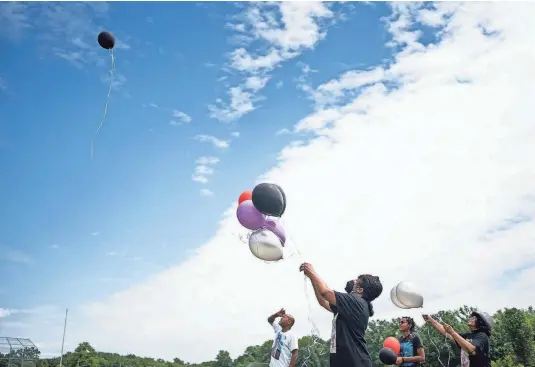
(257, 211)
(389, 353)
(405, 296)
(106, 40)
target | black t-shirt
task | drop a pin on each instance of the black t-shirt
(409, 348)
(348, 346)
(481, 358)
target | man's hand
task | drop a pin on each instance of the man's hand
(280, 313)
(448, 329)
(427, 318)
(399, 360)
(307, 269)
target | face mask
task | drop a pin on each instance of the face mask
(349, 286)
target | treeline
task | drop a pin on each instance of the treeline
(513, 345)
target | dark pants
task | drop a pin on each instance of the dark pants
(345, 358)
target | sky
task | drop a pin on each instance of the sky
(400, 133)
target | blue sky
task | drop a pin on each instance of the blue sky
(134, 209)
(409, 123)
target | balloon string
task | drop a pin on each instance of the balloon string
(437, 348)
(111, 72)
(315, 335)
(314, 332)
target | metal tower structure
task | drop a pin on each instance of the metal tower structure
(18, 352)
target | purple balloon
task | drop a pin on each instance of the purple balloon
(249, 216)
(277, 228)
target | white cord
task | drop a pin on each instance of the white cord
(112, 73)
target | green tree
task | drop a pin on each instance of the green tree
(507, 361)
(85, 356)
(512, 345)
(223, 359)
(515, 336)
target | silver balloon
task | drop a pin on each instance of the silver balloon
(407, 296)
(395, 300)
(265, 245)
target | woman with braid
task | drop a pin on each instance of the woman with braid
(412, 352)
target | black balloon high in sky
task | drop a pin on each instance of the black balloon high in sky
(387, 356)
(269, 199)
(106, 40)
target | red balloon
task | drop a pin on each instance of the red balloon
(392, 343)
(246, 195)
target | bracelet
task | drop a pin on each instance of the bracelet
(402, 360)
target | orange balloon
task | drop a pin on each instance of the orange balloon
(246, 195)
(392, 343)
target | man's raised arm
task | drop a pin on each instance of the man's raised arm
(271, 319)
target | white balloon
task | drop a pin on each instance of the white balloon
(265, 245)
(406, 295)
(395, 300)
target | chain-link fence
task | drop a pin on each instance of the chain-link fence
(18, 352)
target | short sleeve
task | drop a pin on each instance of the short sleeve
(417, 342)
(347, 305)
(480, 341)
(333, 308)
(276, 326)
(293, 343)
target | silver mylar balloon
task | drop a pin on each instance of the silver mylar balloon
(265, 245)
(394, 298)
(404, 294)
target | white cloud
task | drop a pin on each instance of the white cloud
(256, 83)
(14, 20)
(241, 103)
(300, 28)
(3, 84)
(15, 256)
(181, 116)
(5, 312)
(206, 192)
(235, 134)
(200, 179)
(117, 81)
(414, 184)
(204, 169)
(207, 160)
(66, 30)
(283, 131)
(218, 143)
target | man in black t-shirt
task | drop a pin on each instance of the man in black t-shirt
(411, 352)
(475, 344)
(351, 313)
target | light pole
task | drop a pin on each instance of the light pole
(63, 341)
